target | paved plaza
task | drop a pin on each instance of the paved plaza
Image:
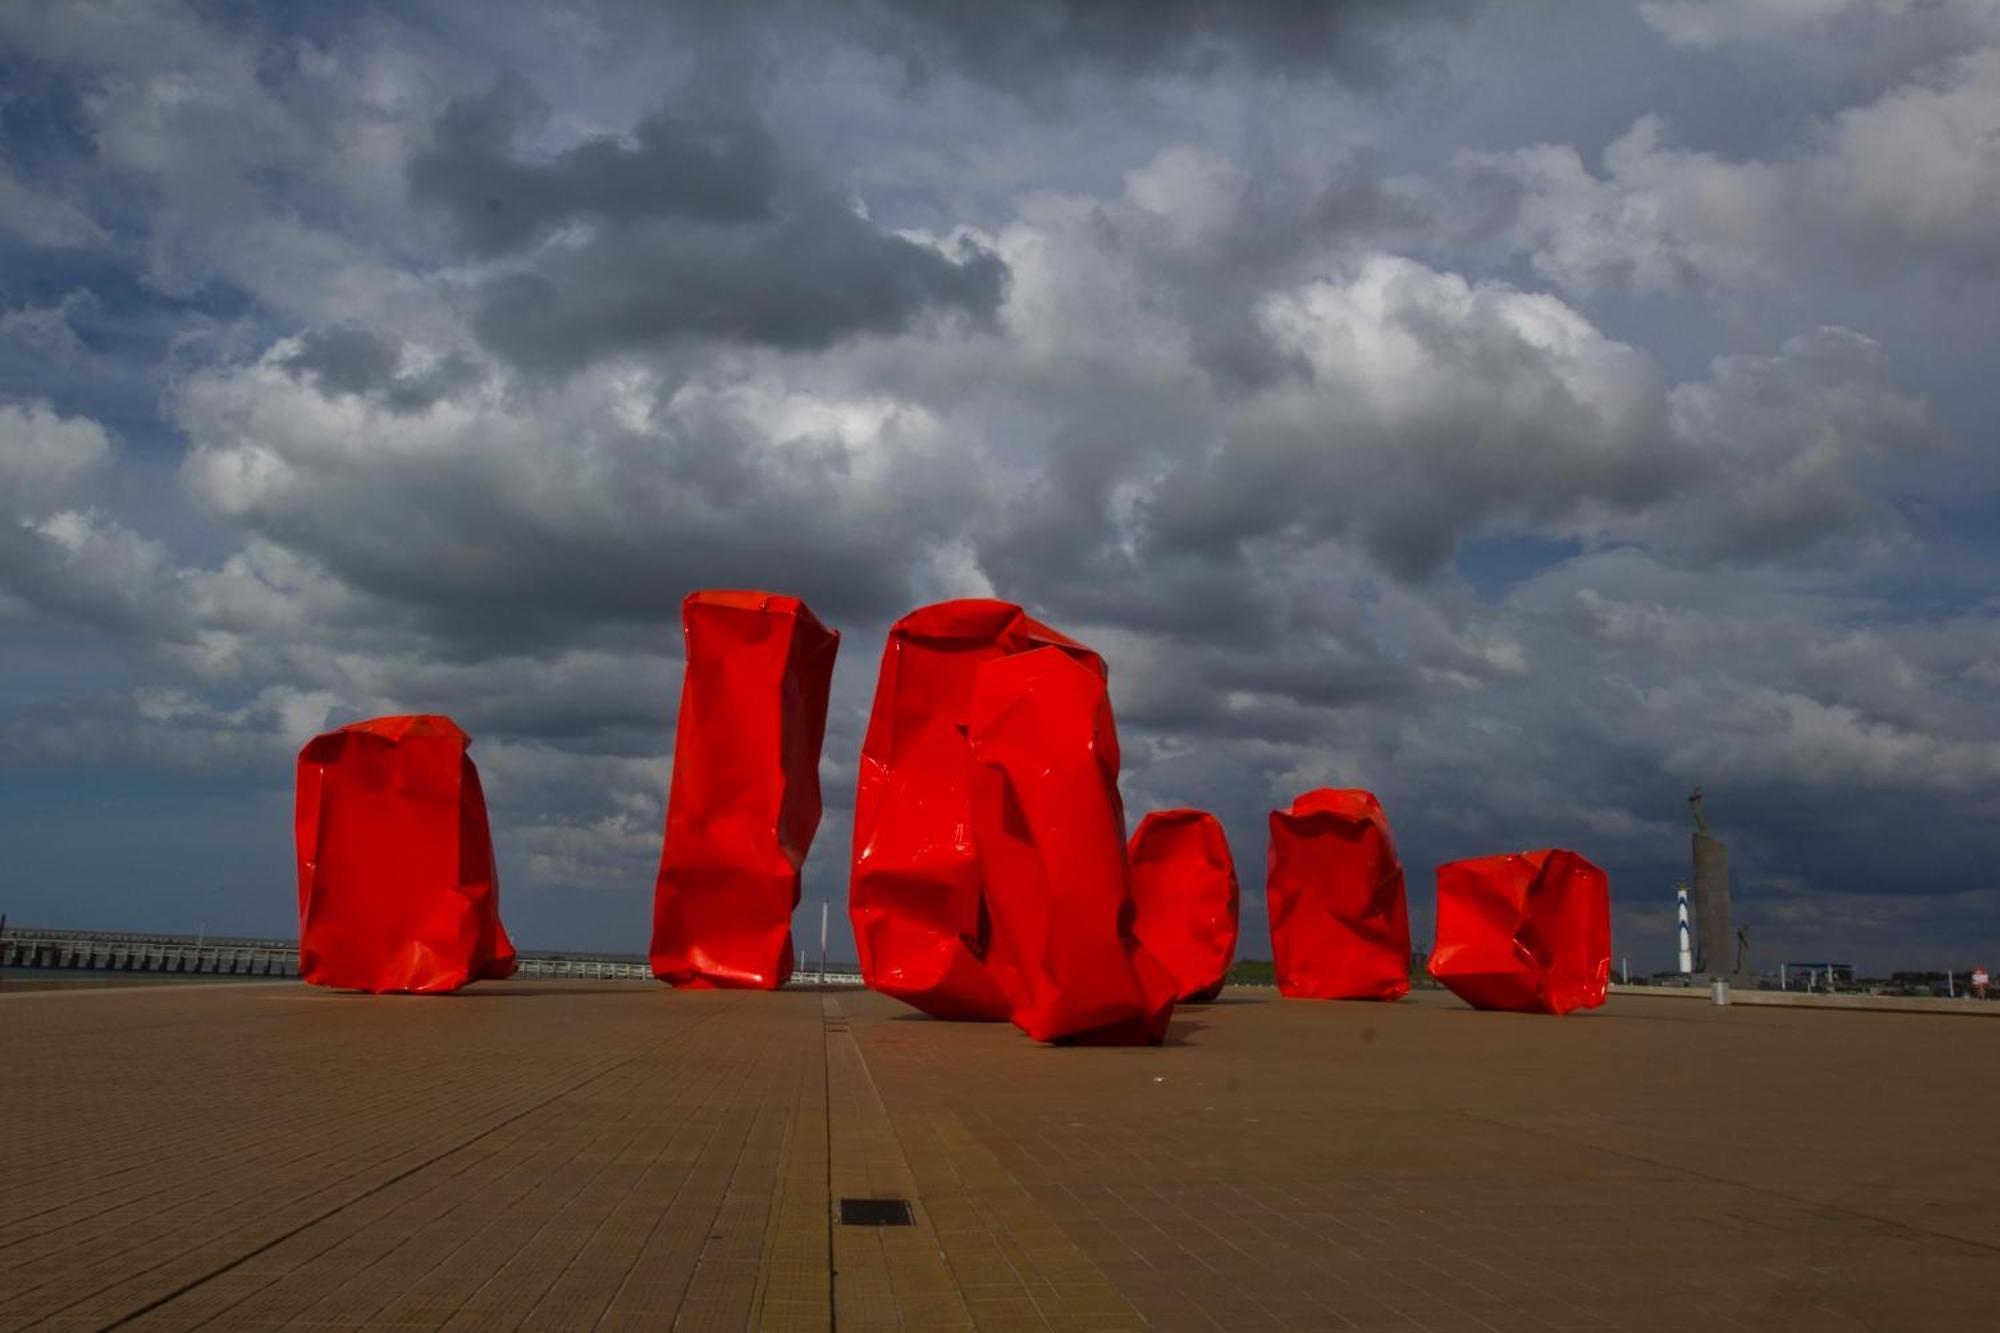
(622, 1156)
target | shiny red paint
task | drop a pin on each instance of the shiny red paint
(1340, 924)
(1529, 932)
(396, 884)
(1183, 883)
(916, 895)
(1050, 828)
(744, 801)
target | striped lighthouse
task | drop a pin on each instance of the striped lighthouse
(1687, 949)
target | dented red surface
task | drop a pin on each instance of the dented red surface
(1528, 932)
(1050, 828)
(916, 897)
(744, 802)
(1340, 924)
(1183, 884)
(396, 883)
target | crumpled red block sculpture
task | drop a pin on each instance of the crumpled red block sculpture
(1529, 932)
(744, 802)
(1050, 829)
(916, 896)
(1340, 923)
(396, 883)
(1183, 883)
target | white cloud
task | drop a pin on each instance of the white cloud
(45, 457)
(1908, 179)
(230, 140)
(1787, 26)
(1429, 408)
(1919, 168)
(1659, 220)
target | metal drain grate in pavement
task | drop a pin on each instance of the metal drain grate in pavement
(876, 1213)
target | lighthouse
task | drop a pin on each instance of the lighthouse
(1687, 950)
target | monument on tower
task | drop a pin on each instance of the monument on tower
(1721, 950)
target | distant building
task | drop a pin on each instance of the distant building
(1816, 976)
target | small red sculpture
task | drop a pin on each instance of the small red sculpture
(915, 897)
(1050, 829)
(744, 802)
(1340, 924)
(396, 883)
(1183, 882)
(1529, 932)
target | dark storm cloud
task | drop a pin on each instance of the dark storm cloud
(804, 282)
(1030, 47)
(699, 228)
(712, 164)
(346, 360)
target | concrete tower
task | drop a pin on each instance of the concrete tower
(1716, 955)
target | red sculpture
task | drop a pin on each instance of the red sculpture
(1340, 925)
(396, 883)
(1050, 829)
(1529, 932)
(915, 898)
(1183, 883)
(744, 801)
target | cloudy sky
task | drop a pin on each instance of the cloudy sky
(1524, 411)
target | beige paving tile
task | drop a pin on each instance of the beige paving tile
(558, 1156)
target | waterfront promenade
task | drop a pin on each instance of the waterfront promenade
(562, 1155)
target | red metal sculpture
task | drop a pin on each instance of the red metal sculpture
(396, 883)
(1340, 925)
(1183, 882)
(744, 802)
(1050, 829)
(1529, 932)
(916, 900)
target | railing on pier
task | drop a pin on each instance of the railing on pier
(104, 951)
(107, 951)
(582, 969)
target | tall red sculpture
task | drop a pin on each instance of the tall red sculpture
(915, 896)
(1340, 924)
(1050, 829)
(1183, 883)
(744, 801)
(1529, 932)
(396, 883)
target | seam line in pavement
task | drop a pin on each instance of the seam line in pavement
(828, 1007)
(1802, 1200)
(666, 1209)
(885, 1266)
(461, 1146)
